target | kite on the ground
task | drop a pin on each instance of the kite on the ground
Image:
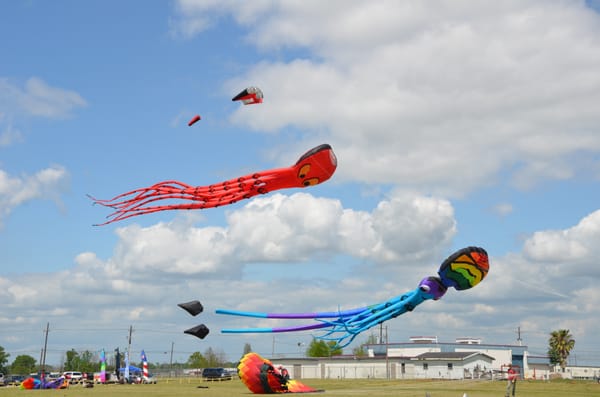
(193, 307)
(314, 167)
(249, 96)
(261, 377)
(194, 120)
(462, 270)
(199, 331)
(34, 383)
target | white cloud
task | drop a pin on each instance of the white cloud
(8, 133)
(149, 263)
(443, 95)
(572, 251)
(286, 229)
(155, 267)
(38, 98)
(502, 209)
(193, 17)
(46, 183)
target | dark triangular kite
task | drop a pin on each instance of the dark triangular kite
(199, 331)
(193, 307)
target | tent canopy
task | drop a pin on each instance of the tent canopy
(132, 368)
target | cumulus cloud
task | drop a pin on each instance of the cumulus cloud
(38, 98)
(35, 98)
(154, 268)
(517, 89)
(288, 229)
(276, 228)
(571, 251)
(14, 191)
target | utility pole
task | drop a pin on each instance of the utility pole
(171, 362)
(387, 355)
(129, 344)
(118, 363)
(44, 352)
(519, 340)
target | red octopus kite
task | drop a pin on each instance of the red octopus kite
(314, 167)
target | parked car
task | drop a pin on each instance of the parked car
(216, 374)
(138, 377)
(52, 375)
(13, 380)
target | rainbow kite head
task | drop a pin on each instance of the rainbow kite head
(465, 268)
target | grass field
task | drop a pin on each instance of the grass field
(338, 388)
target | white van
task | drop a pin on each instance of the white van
(73, 375)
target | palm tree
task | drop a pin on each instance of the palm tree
(561, 343)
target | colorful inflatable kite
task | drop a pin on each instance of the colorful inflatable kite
(249, 96)
(462, 270)
(314, 167)
(261, 377)
(34, 383)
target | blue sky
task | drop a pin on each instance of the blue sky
(454, 124)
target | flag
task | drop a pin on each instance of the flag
(145, 374)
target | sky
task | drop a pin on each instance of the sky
(454, 123)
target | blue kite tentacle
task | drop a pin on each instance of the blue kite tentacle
(347, 325)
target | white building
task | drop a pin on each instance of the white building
(423, 357)
(451, 365)
(580, 372)
(502, 354)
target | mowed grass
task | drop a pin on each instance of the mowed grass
(338, 388)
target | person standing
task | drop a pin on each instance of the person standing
(511, 386)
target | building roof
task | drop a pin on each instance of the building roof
(381, 349)
(538, 360)
(450, 356)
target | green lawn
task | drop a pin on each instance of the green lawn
(342, 388)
